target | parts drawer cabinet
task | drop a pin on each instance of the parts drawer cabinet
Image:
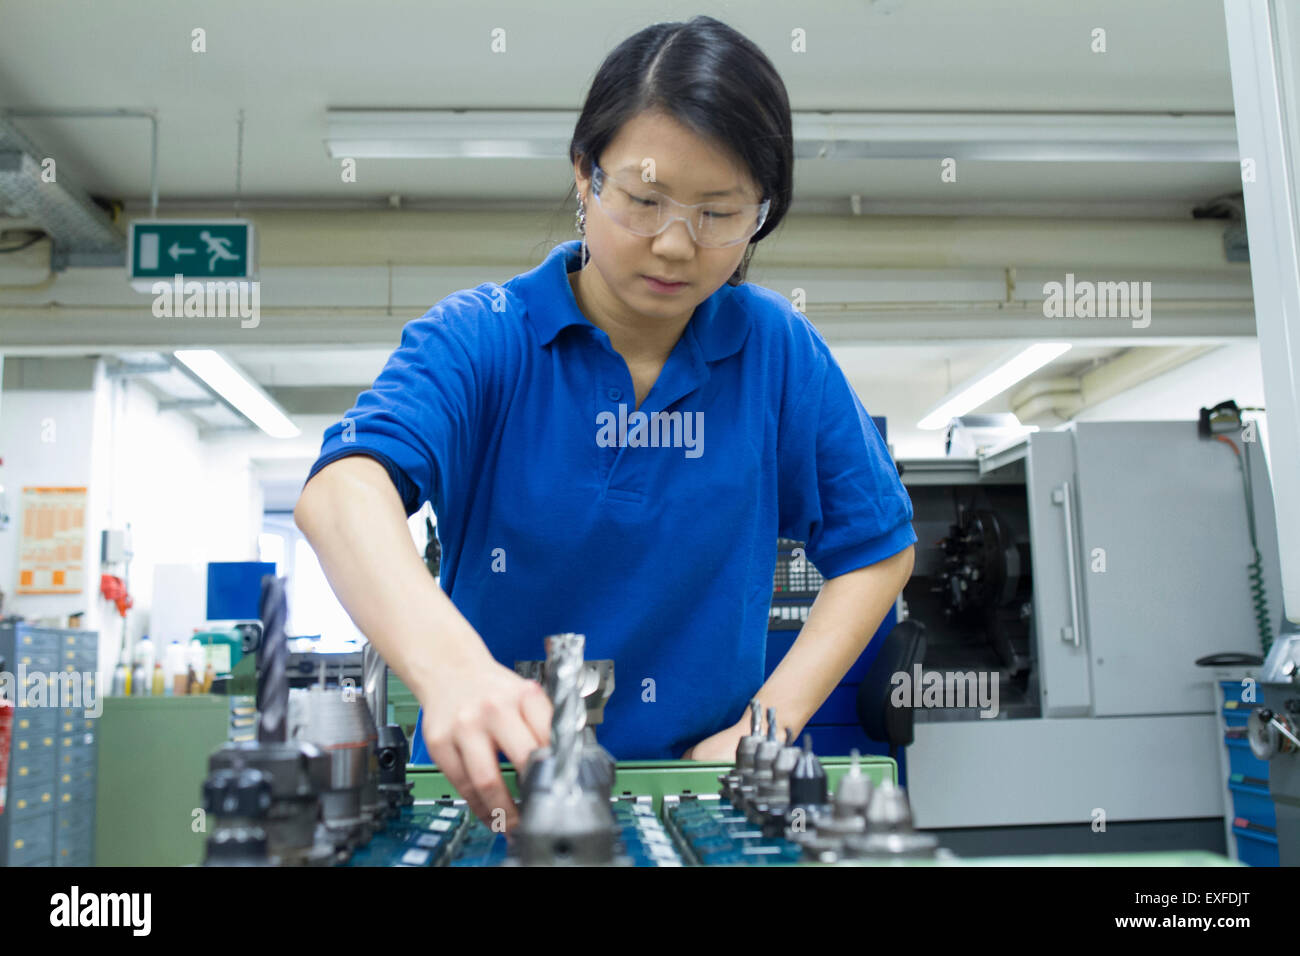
(49, 815)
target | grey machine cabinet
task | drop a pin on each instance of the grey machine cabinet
(1139, 549)
(49, 817)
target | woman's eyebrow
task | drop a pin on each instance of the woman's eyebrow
(635, 168)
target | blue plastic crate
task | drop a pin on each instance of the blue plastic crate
(1255, 848)
(1236, 717)
(1231, 690)
(1253, 803)
(1242, 761)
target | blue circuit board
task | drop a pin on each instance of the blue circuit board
(714, 833)
(447, 834)
(422, 835)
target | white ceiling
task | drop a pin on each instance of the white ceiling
(285, 63)
(307, 367)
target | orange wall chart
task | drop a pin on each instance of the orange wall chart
(51, 556)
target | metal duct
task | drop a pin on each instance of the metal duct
(67, 214)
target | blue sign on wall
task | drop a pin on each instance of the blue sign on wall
(235, 589)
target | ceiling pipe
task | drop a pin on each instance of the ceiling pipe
(1058, 399)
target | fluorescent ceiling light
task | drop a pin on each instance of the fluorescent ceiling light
(999, 137)
(450, 134)
(992, 382)
(1017, 137)
(243, 394)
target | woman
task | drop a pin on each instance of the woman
(613, 442)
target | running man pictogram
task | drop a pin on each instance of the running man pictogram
(218, 248)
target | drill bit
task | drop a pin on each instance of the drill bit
(808, 779)
(272, 672)
(570, 713)
(374, 681)
(787, 757)
(854, 793)
(746, 747)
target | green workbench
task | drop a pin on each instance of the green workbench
(655, 778)
(153, 758)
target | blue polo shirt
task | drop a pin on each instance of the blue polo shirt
(561, 509)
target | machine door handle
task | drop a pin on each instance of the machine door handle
(1061, 496)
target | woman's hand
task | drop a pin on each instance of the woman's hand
(477, 708)
(721, 747)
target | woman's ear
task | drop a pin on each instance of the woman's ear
(580, 180)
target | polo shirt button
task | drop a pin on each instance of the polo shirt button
(615, 394)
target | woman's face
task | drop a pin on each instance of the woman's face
(687, 168)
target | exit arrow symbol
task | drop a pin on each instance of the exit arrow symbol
(177, 250)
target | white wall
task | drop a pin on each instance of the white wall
(1230, 372)
(151, 474)
(45, 438)
(186, 501)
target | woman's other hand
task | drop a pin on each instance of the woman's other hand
(720, 748)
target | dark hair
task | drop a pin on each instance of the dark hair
(712, 80)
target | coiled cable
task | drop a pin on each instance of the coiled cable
(1254, 570)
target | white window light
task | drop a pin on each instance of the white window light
(992, 382)
(245, 395)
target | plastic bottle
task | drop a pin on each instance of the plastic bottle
(159, 680)
(174, 667)
(145, 656)
(119, 680)
(139, 681)
(197, 660)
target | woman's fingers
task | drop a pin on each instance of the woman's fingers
(448, 761)
(492, 802)
(514, 737)
(537, 710)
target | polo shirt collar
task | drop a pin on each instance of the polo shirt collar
(719, 326)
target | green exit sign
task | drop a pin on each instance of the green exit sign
(213, 249)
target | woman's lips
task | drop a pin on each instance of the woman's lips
(660, 286)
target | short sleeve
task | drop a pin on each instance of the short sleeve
(420, 416)
(840, 491)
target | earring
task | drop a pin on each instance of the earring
(743, 268)
(582, 228)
